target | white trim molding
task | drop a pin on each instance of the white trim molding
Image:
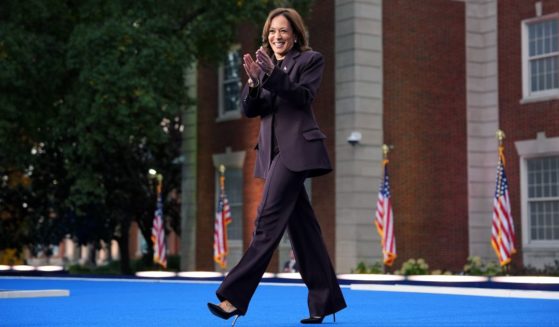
(482, 94)
(529, 96)
(359, 107)
(535, 253)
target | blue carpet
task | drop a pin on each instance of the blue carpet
(138, 303)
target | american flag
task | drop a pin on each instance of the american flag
(502, 231)
(222, 219)
(384, 219)
(158, 232)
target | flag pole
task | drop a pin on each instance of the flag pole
(384, 216)
(500, 135)
(222, 219)
(222, 177)
(385, 150)
(224, 231)
(158, 226)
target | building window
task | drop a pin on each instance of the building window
(541, 57)
(234, 185)
(230, 86)
(539, 194)
(543, 198)
(234, 192)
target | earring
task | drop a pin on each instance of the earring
(295, 41)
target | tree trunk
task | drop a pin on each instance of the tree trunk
(124, 250)
(91, 254)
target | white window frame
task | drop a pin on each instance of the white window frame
(531, 149)
(231, 159)
(230, 115)
(527, 94)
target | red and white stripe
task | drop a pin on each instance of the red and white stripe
(502, 230)
(158, 236)
(222, 219)
(384, 220)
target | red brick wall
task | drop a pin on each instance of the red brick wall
(241, 135)
(213, 138)
(519, 121)
(425, 121)
(321, 26)
(207, 112)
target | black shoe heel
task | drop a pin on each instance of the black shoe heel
(219, 312)
(316, 319)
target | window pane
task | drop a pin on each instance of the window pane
(554, 35)
(541, 77)
(232, 81)
(543, 183)
(544, 220)
(543, 41)
(543, 180)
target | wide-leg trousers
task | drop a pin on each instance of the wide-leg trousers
(285, 204)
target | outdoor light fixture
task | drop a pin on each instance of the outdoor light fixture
(354, 138)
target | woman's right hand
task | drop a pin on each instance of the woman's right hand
(251, 67)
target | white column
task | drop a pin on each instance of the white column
(359, 108)
(188, 201)
(483, 121)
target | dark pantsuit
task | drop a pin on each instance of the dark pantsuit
(285, 204)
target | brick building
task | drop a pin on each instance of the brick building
(434, 79)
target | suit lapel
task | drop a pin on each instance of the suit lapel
(289, 61)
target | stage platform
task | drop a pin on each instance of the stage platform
(173, 302)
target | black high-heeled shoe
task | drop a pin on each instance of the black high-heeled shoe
(219, 312)
(316, 319)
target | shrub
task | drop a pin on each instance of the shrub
(146, 263)
(547, 270)
(111, 268)
(475, 267)
(441, 272)
(362, 268)
(414, 267)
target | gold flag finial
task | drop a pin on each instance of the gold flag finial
(500, 136)
(385, 150)
(222, 169)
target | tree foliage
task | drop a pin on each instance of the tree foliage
(91, 97)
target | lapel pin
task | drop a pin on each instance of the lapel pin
(284, 68)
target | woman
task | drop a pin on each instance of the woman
(283, 81)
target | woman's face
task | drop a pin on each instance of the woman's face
(280, 36)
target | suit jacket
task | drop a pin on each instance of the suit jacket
(288, 92)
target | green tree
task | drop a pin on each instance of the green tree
(31, 83)
(91, 95)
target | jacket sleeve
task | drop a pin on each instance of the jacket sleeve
(256, 102)
(300, 93)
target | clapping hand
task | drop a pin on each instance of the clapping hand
(251, 67)
(264, 61)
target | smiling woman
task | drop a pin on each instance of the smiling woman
(282, 85)
(284, 31)
(280, 37)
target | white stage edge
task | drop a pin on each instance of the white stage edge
(468, 291)
(12, 294)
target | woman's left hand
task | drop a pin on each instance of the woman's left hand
(264, 61)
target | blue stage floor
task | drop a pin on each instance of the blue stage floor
(98, 302)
